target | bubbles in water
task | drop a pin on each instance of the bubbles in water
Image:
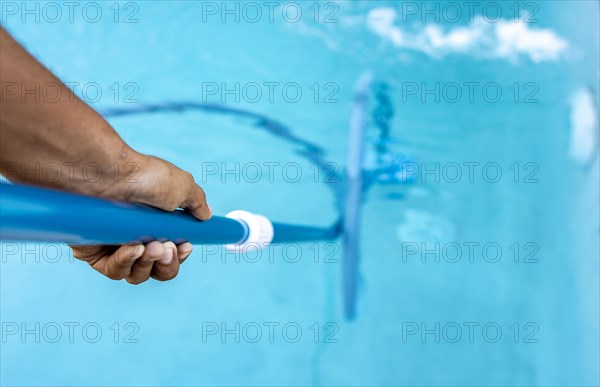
(425, 227)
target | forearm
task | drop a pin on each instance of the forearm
(60, 142)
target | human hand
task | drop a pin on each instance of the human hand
(68, 136)
(158, 183)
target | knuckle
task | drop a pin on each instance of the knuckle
(170, 202)
(171, 206)
(201, 195)
(77, 254)
(186, 181)
(123, 257)
(84, 253)
(135, 281)
(188, 178)
(113, 276)
(167, 274)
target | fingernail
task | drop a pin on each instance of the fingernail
(210, 209)
(185, 248)
(167, 257)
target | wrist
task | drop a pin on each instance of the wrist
(101, 169)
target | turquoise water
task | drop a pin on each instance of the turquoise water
(546, 307)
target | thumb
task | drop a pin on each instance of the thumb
(195, 203)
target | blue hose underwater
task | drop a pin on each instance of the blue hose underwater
(311, 151)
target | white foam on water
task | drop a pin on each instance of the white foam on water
(584, 127)
(502, 39)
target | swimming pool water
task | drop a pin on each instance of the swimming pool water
(543, 204)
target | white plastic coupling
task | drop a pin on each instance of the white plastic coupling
(259, 231)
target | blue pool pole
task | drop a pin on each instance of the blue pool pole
(42, 215)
